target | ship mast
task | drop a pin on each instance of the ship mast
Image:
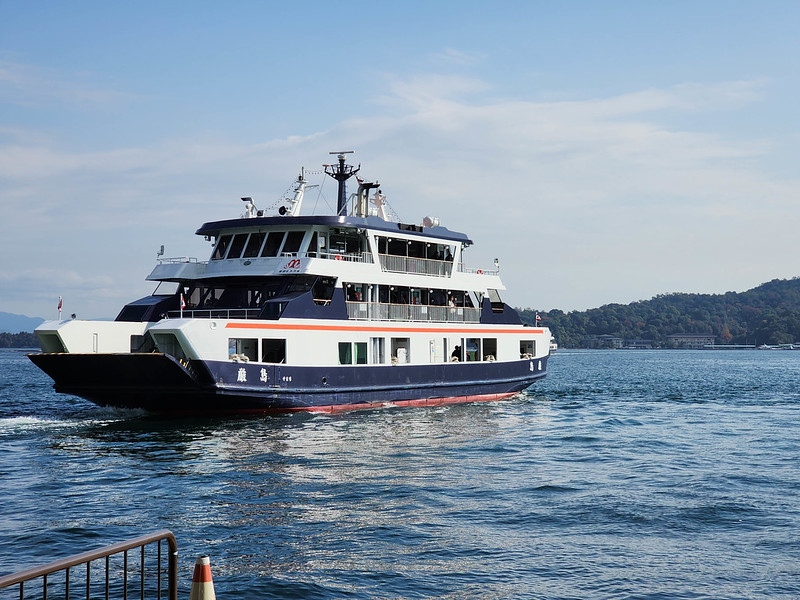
(341, 173)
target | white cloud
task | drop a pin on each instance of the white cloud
(453, 56)
(584, 202)
(29, 85)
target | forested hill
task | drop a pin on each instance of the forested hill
(767, 314)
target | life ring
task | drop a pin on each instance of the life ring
(338, 257)
(480, 272)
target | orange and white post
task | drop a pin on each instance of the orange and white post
(202, 585)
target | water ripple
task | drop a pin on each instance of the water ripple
(622, 475)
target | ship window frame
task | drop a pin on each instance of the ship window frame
(268, 251)
(251, 249)
(166, 288)
(323, 289)
(378, 350)
(312, 250)
(292, 243)
(345, 353)
(473, 355)
(277, 346)
(360, 353)
(489, 348)
(527, 348)
(353, 353)
(236, 247)
(221, 249)
(238, 347)
(398, 344)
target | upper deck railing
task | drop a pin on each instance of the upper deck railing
(389, 262)
(215, 313)
(421, 266)
(412, 312)
(359, 257)
(175, 260)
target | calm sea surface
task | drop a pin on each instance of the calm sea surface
(624, 474)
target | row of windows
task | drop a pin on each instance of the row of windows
(272, 350)
(251, 245)
(397, 294)
(281, 243)
(415, 249)
(361, 353)
(338, 241)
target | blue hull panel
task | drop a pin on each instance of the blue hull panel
(160, 384)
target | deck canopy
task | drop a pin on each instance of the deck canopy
(213, 228)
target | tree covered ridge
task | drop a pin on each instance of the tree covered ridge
(18, 340)
(767, 314)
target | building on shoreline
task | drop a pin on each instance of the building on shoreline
(691, 340)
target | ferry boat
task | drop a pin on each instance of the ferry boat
(296, 312)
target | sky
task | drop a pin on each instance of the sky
(604, 152)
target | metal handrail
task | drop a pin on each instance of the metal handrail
(379, 311)
(215, 313)
(65, 564)
(421, 266)
(174, 260)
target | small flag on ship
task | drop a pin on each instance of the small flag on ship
(538, 318)
(60, 304)
(183, 304)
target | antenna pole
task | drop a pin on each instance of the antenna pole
(341, 173)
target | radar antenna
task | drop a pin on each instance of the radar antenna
(342, 173)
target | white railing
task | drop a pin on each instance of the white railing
(422, 266)
(411, 312)
(359, 257)
(463, 269)
(215, 313)
(181, 259)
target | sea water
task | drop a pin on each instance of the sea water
(623, 474)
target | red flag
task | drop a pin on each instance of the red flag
(538, 318)
(60, 303)
(183, 302)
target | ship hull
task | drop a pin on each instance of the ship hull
(161, 384)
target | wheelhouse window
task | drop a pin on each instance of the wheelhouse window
(254, 245)
(273, 243)
(222, 247)
(313, 245)
(293, 241)
(237, 245)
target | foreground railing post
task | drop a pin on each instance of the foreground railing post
(173, 568)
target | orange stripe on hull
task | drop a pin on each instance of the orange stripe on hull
(309, 327)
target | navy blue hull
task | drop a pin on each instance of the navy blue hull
(161, 384)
